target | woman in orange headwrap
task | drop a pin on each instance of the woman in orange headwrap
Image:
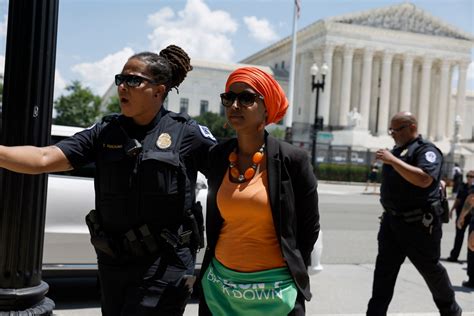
(262, 209)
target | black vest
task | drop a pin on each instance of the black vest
(150, 187)
(399, 194)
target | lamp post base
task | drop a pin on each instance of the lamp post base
(43, 308)
(26, 301)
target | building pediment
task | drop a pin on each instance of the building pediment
(404, 17)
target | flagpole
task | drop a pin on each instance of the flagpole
(291, 85)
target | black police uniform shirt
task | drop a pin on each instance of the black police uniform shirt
(82, 148)
(400, 195)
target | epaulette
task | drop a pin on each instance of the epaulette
(110, 118)
(179, 116)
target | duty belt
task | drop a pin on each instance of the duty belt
(410, 216)
(141, 241)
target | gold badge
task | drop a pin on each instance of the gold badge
(404, 152)
(164, 141)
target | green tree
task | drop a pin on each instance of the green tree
(114, 105)
(215, 123)
(278, 133)
(79, 108)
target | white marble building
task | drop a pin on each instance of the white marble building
(381, 61)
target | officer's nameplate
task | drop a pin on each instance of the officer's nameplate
(164, 141)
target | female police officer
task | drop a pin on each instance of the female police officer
(411, 223)
(146, 166)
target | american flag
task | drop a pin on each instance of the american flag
(298, 7)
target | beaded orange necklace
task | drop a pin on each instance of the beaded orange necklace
(250, 172)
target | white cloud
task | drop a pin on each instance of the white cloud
(59, 84)
(202, 33)
(98, 76)
(261, 30)
(3, 26)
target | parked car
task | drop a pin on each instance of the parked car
(67, 250)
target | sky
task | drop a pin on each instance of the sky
(95, 37)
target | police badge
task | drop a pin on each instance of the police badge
(164, 141)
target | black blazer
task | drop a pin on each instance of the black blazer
(293, 200)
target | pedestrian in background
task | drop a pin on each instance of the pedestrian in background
(262, 210)
(411, 224)
(147, 161)
(463, 218)
(457, 179)
(464, 191)
(372, 177)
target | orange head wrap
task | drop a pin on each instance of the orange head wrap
(273, 95)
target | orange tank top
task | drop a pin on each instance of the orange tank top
(247, 241)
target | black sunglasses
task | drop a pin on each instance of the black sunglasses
(396, 130)
(244, 98)
(132, 81)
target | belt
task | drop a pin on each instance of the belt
(408, 216)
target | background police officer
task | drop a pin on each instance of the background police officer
(146, 160)
(411, 224)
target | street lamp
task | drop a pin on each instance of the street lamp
(318, 121)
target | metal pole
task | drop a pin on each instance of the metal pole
(27, 108)
(291, 86)
(316, 85)
(315, 129)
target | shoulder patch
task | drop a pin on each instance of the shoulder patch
(206, 132)
(430, 156)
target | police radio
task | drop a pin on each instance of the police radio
(133, 147)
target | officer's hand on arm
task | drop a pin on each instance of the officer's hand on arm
(412, 174)
(470, 241)
(465, 210)
(33, 160)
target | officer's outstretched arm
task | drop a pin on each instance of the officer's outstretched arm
(33, 160)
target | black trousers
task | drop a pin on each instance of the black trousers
(398, 240)
(460, 234)
(161, 286)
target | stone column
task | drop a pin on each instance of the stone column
(335, 104)
(395, 88)
(423, 106)
(443, 98)
(451, 106)
(406, 82)
(461, 95)
(326, 97)
(346, 85)
(385, 93)
(365, 88)
(356, 80)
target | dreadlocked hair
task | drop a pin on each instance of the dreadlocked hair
(168, 68)
(179, 61)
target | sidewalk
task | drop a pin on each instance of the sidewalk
(344, 289)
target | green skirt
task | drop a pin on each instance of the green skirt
(231, 293)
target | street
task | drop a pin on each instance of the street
(349, 221)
